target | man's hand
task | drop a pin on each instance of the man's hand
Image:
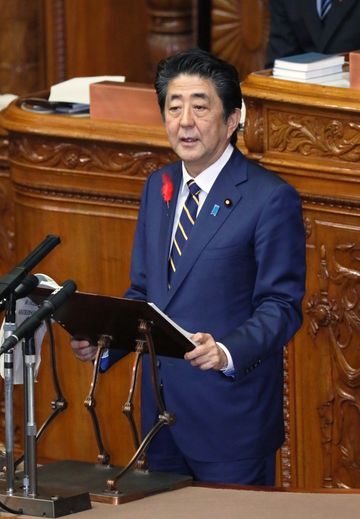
(83, 350)
(207, 354)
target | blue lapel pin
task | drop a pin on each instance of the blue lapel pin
(215, 210)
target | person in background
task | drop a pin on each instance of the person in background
(219, 247)
(326, 26)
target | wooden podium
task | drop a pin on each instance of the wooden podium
(310, 135)
(82, 180)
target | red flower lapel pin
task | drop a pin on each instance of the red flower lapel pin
(167, 188)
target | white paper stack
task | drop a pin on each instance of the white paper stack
(309, 66)
(77, 89)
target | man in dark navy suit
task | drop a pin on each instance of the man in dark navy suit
(234, 278)
(300, 26)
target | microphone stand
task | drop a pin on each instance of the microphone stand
(9, 327)
(49, 503)
(30, 450)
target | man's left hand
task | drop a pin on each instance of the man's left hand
(207, 354)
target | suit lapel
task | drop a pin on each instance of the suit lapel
(334, 18)
(207, 224)
(165, 231)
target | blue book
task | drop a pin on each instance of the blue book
(309, 61)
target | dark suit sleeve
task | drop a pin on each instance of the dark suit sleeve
(282, 40)
(279, 248)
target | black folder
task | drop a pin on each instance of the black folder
(89, 316)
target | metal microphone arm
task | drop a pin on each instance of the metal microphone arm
(10, 281)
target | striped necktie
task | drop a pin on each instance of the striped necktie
(185, 225)
(325, 6)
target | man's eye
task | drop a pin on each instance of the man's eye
(200, 108)
(174, 109)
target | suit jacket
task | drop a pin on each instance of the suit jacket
(241, 278)
(296, 28)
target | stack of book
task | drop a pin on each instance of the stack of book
(309, 67)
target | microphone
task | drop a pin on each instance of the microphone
(47, 308)
(26, 287)
(11, 280)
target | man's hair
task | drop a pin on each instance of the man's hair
(197, 62)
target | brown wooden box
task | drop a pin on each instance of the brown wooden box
(354, 69)
(133, 103)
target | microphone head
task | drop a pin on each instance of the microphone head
(59, 296)
(26, 286)
(23, 289)
(69, 286)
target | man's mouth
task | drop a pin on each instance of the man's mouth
(188, 140)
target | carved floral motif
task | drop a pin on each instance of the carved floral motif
(240, 32)
(285, 453)
(339, 371)
(314, 136)
(4, 151)
(308, 227)
(254, 127)
(93, 157)
(116, 199)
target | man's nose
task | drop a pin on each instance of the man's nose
(187, 117)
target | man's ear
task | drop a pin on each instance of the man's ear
(233, 121)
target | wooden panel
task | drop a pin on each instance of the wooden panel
(86, 190)
(311, 136)
(239, 33)
(43, 42)
(171, 29)
(106, 37)
(95, 244)
(22, 52)
(7, 255)
(329, 373)
(88, 37)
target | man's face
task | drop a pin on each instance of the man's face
(194, 121)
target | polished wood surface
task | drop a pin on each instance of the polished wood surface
(239, 33)
(6, 208)
(82, 180)
(22, 55)
(310, 135)
(88, 38)
(44, 42)
(171, 29)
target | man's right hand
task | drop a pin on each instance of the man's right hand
(83, 350)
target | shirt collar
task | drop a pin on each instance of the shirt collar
(206, 178)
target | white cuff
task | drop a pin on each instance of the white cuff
(229, 370)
